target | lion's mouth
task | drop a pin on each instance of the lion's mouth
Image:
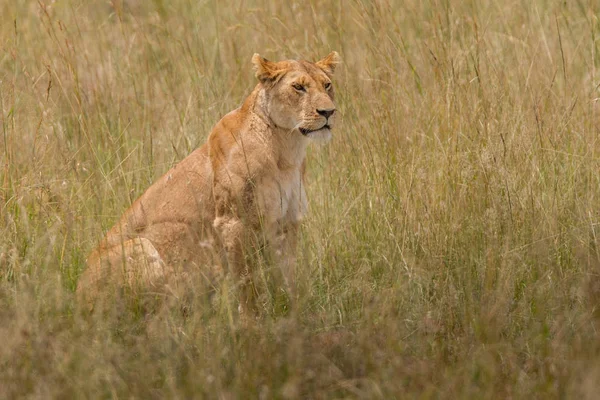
(307, 132)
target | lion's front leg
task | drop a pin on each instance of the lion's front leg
(233, 199)
(234, 236)
(284, 245)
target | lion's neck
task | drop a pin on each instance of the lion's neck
(257, 104)
(291, 148)
(288, 146)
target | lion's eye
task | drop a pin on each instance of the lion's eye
(327, 85)
(299, 87)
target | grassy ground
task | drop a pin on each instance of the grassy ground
(452, 247)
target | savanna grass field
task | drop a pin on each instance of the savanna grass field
(452, 248)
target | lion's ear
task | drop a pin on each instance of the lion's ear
(329, 63)
(265, 70)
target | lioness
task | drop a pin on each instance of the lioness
(245, 183)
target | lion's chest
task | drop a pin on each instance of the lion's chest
(282, 197)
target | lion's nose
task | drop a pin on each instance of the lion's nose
(326, 113)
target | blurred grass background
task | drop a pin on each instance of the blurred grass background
(452, 245)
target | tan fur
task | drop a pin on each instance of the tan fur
(244, 184)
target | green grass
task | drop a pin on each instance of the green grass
(452, 246)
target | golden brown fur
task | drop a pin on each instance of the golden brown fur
(245, 183)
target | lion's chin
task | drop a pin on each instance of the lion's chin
(322, 136)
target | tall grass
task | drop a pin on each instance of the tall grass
(452, 246)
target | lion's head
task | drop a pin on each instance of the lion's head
(299, 95)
